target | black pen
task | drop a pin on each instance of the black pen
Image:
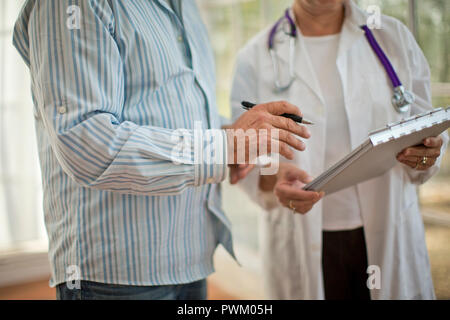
(248, 105)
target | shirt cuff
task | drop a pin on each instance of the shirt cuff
(210, 156)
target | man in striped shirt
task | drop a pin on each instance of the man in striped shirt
(130, 212)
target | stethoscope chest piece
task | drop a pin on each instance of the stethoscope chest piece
(402, 99)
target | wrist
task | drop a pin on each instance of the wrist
(267, 183)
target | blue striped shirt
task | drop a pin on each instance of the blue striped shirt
(113, 81)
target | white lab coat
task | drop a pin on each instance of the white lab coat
(394, 231)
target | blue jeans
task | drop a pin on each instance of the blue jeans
(100, 291)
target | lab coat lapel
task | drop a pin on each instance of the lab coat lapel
(303, 68)
(352, 83)
(349, 35)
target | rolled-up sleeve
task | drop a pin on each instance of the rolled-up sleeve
(78, 82)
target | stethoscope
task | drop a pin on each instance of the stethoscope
(401, 99)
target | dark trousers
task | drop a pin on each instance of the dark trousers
(100, 291)
(344, 262)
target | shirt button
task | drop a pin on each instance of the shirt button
(210, 180)
(180, 38)
(62, 110)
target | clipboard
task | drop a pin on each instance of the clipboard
(378, 153)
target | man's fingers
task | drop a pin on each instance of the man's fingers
(421, 152)
(239, 172)
(291, 140)
(285, 150)
(277, 146)
(243, 172)
(234, 174)
(290, 125)
(279, 107)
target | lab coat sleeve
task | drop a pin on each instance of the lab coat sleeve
(421, 87)
(245, 88)
(78, 83)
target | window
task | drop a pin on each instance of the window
(21, 217)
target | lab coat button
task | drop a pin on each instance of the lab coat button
(62, 110)
(180, 38)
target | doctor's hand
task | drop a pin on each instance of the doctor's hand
(424, 156)
(259, 126)
(288, 189)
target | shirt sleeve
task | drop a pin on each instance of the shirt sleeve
(421, 86)
(78, 84)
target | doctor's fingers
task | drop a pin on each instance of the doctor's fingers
(290, 125)
(422, 152)
(286, 192)
(433, 142)
(299, 176)
(279, 107)
(418, 166)
(430, 160)
(299, 206)
(302, 208)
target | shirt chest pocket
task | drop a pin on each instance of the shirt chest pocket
(153, 52)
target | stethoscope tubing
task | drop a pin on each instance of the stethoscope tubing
(382, 56)
(401, 99)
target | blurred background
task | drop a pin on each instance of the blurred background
(24, 269)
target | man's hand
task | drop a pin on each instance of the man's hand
(424, 156)
(239, 172)
(264, 119)
(288, 189)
